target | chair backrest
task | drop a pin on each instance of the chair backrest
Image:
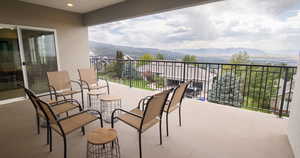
(32, 97)
(59, 80)
(47, 111)
(178, 94)
(43, 106)
(88, 75)
(155, 106)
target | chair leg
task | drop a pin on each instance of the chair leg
(83, 130)
(180, 116)
(140, 143)
(48, 135)
(167, 123)
(82, 101)
(90, 102)
(160, 136)
(50, 138)
(65, 146)
(38, 123)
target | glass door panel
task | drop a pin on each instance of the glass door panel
(10, 64)
(40, 57)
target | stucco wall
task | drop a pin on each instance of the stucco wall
(71, 33)
(294, 120)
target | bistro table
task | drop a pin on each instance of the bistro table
(103, 143)
(108, 103)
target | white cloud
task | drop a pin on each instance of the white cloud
(263, 24)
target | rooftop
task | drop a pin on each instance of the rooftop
(209, 130)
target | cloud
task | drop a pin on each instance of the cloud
(263, 24)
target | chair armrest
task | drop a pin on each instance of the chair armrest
(113, 113)
(65, 101)
(107, 85)
(52, 88)
(143, 102)
(99, 113)
(77, 82)
(133, 114)
(43, 95)
(85, 83)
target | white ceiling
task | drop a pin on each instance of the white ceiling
(80, 6)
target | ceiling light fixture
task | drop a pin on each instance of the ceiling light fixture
(70, 5)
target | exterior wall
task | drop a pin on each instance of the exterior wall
(72, 35)
(294, 120)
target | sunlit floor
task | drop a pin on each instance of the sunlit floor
(208, 131)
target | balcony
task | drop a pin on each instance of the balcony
(209, 130)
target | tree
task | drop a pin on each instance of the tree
(147, 56)
(119, 64)
(119, 55)
(189, 58)
(160, 56)
(240, 58)
(226, 90)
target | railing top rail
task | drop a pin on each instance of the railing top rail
(208, 63)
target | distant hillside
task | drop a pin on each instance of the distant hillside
(219, 55)
(221, 52)
(110, 50)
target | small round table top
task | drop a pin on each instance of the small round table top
(109, 98)
(101, 136)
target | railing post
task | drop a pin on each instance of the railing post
(283, 92)
(184, 67)
(130, 77)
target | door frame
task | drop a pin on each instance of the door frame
(22, 57)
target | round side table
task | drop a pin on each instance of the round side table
(92, 98)
(108, 104)
(103, 143)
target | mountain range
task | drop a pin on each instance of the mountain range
(207, 54)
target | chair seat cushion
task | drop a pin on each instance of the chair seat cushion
(136, 121)
(74, 122)
(62, 108)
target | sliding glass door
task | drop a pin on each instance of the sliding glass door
(10, 63)
(40, 57)
(26, 55)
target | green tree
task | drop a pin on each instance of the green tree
(118, 67)
(147, 56)
(119, 55)
(226, 90)
(240, 58)
(160, 56)
(189, 58)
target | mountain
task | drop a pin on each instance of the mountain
(109, 50)
(226, 52)
(216, 55)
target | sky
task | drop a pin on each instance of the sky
(270, 25)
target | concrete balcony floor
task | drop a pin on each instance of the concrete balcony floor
(209, 131)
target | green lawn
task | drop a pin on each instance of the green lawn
(142, 84)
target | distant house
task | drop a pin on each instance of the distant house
(175, 73)
(127, 57)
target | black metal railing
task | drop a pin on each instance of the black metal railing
(265, 88)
